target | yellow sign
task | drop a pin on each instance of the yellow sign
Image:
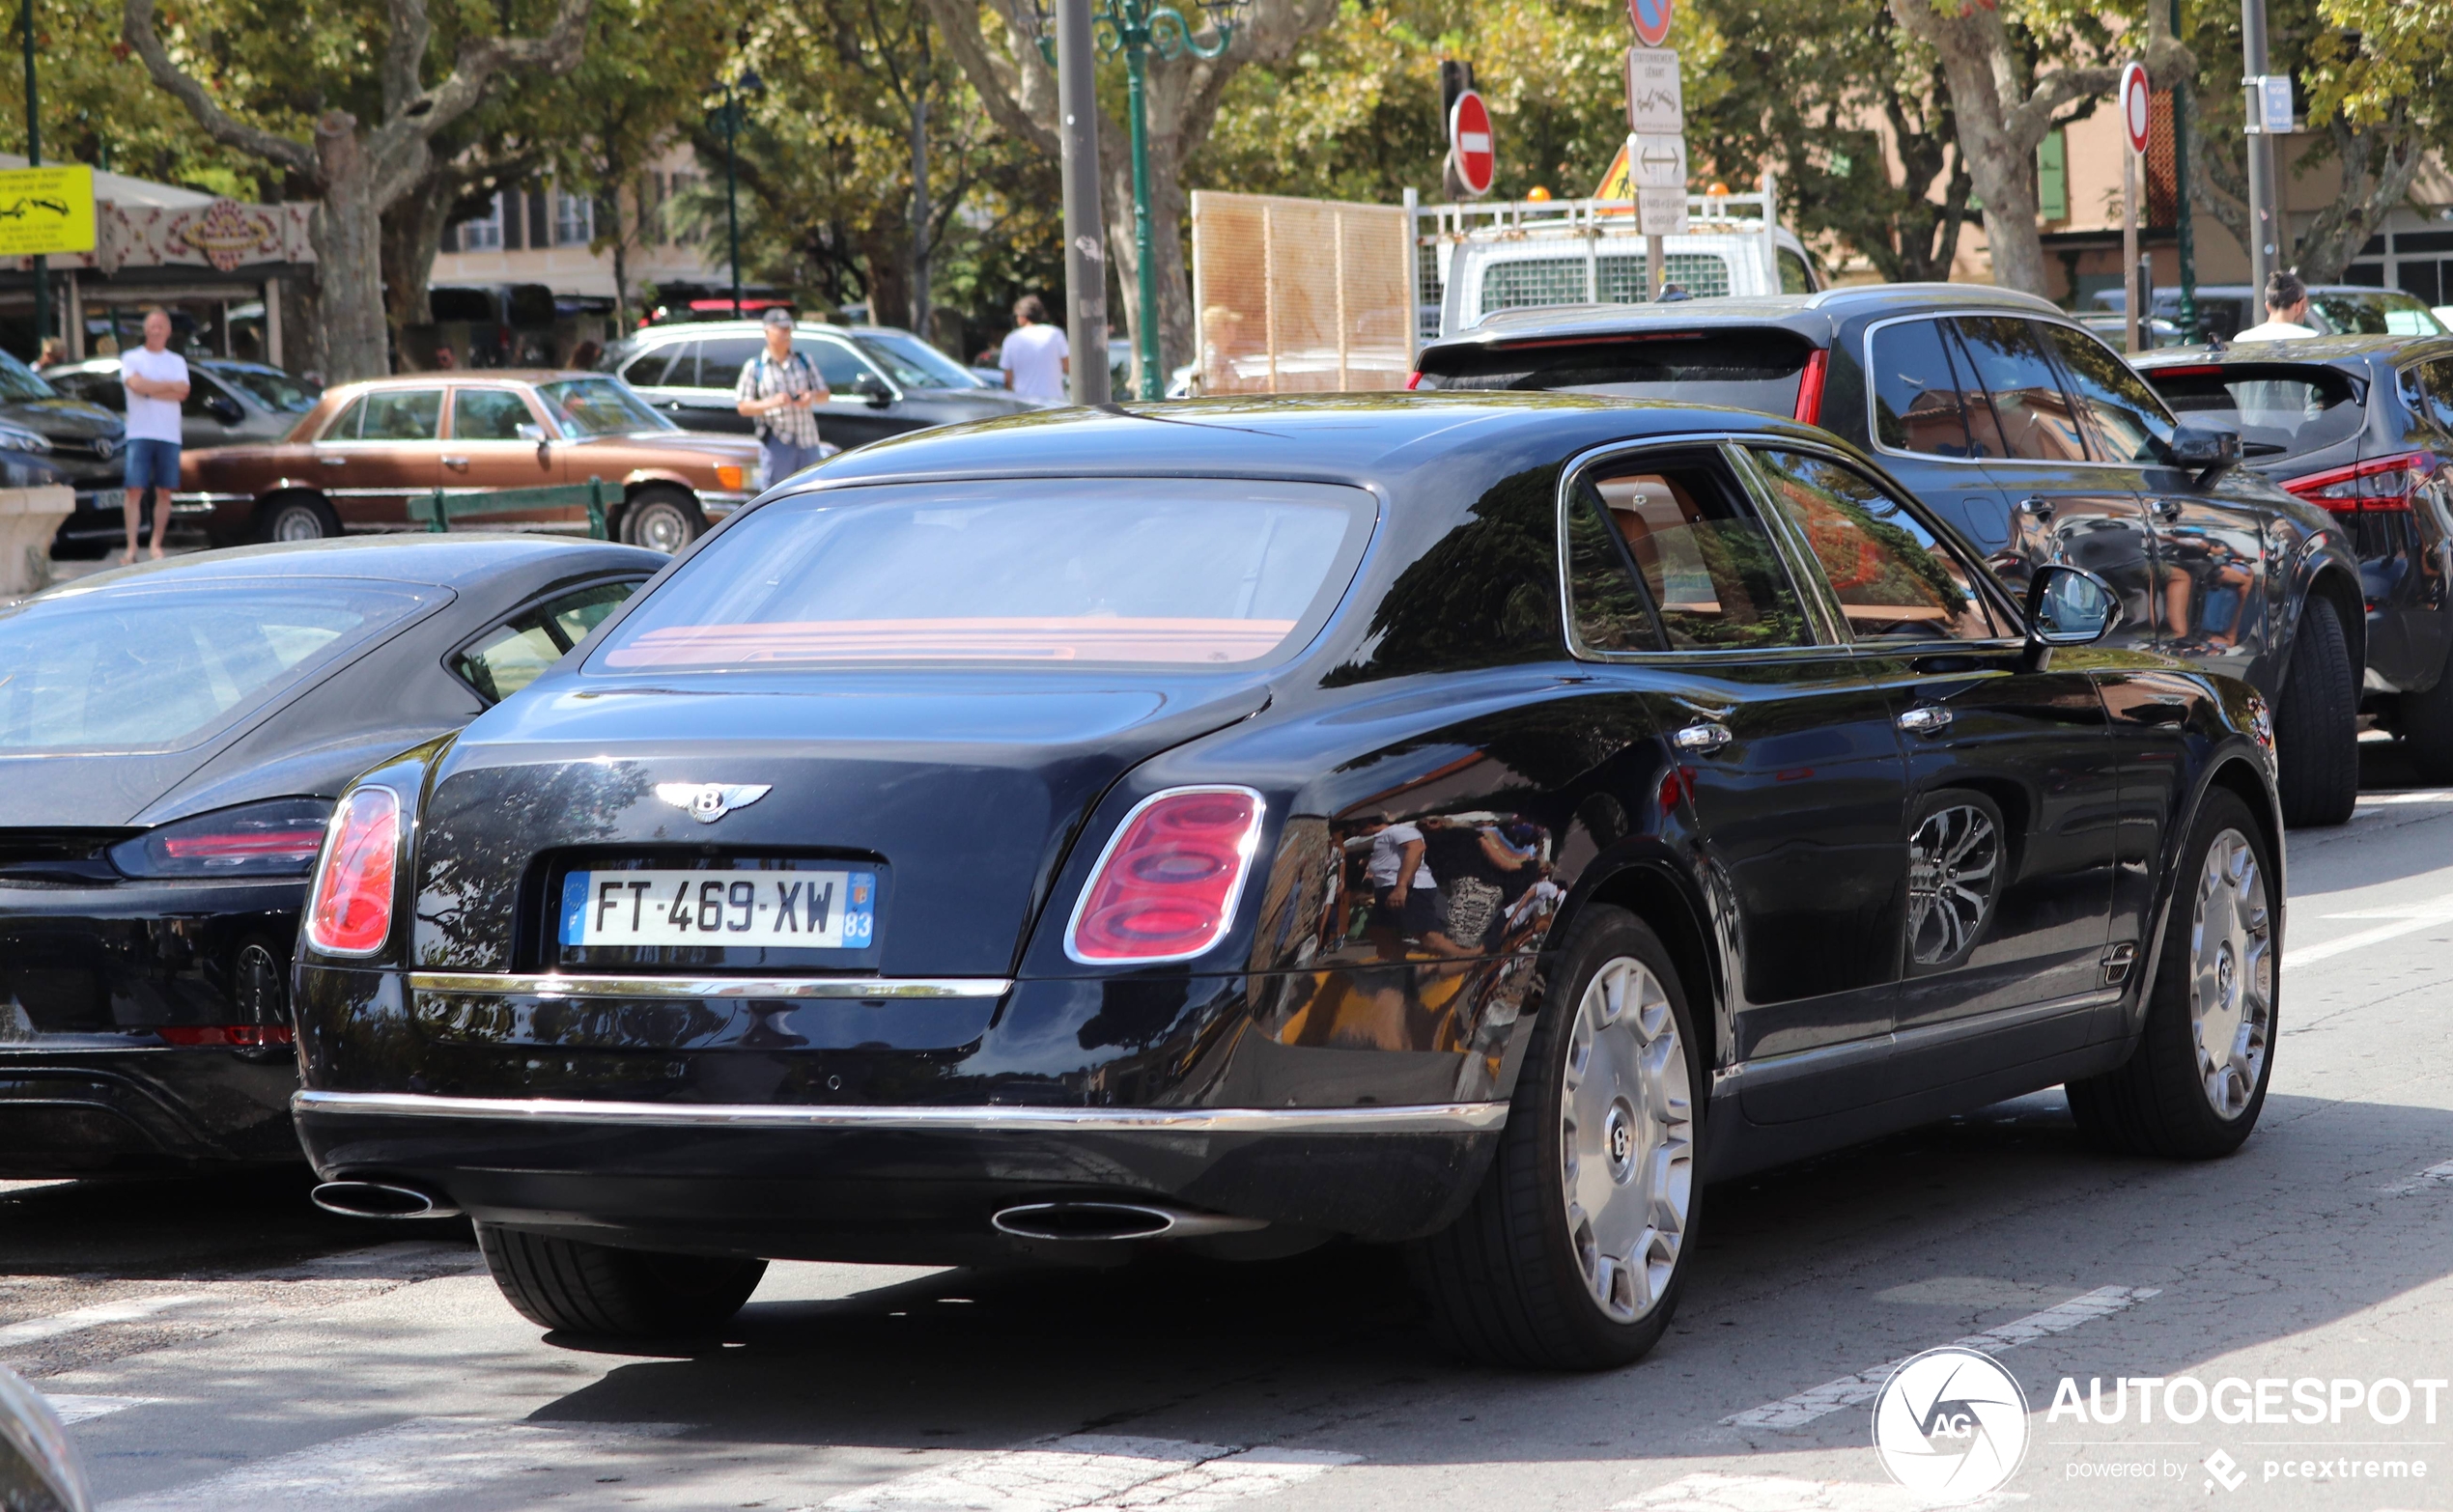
(1619, 184)
(46, 209)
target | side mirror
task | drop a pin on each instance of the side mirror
(531, 433)
(224, 408)
(2203, 448)
(2067, 607)
(871, 387)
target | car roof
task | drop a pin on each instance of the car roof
(429, 379)
(2331, 349)
(1807, 314)
(1359, 439)
(454, 560)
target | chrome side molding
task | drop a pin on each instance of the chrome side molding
(557, 984)
(1401, 1118)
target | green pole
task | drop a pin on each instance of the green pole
(1135, 67)
(2182, 101)
(732, 198)
(34, 160)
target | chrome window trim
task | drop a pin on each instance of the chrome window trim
(572, 984)
(1576, 467)
(1372, 1119)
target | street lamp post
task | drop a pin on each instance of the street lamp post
(34, 160)
(1137, 28)
(747, 84)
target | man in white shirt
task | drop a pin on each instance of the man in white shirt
(155, 379)
(2286, 311)
(1036, 357)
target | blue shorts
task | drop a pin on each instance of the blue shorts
(783, 459)
(152, 465)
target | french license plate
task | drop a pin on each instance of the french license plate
(805, 910)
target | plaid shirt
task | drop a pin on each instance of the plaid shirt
(764, 377)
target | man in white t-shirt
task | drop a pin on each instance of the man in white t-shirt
(155, 379)
(1036, 357)
(2286, 311)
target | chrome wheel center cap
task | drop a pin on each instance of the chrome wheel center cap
(2227, 974)
(1619, 1133)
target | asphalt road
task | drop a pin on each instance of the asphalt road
(222, 1346)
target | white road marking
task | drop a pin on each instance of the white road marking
(1795, 1412)
(405, 1462)
(85, 1409)
(2436, 1175)
(1086, 1471)
(33, 1330)
(2407, 919)
(1708, 1491)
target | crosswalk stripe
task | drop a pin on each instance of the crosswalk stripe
(404, 1463)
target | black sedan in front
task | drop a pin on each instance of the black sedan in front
(172, 737)
(1470, 821)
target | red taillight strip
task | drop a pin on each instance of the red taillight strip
(246, 843)
(242, 1036)
(1810, 389)
(350, 903)
(1094, 891)
(2317, 488)
(1412, 379)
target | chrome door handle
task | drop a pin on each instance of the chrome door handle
(1702, 738)
(456, 461)
(1926, 720)
(334, 462)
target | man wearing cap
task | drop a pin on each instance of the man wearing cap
(778, 390)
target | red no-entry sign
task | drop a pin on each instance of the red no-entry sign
(1469, 143)
(2137, 107)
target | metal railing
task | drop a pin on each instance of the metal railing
(445, 505)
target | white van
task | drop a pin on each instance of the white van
(1478, 258)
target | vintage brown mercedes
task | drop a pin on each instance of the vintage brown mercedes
(369, 455)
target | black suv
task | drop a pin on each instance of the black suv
(47, 437)
(2362, 427)
(2032, 438)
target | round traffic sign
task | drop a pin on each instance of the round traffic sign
(1652, 18)
(1469, 143)
(2137, 108)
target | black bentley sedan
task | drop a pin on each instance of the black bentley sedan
(1467, 821)
(2361, 427)
(172, 737)
(2010, 420)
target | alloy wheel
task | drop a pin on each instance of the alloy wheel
(297, 524)
(2231, 974)
(1626, 1138)
(662, 528)
(1954, 861)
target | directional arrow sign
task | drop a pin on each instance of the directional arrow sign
(1658, 165)
(1657, 105)
(1469, 143)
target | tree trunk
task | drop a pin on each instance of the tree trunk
(884, 255)
(348, 232)
(921, 212)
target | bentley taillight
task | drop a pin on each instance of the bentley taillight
(350, 908)
(1167, 886)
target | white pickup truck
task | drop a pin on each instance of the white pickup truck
(1477, 259)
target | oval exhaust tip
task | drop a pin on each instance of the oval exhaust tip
(1083, 1220)
(375, 1199)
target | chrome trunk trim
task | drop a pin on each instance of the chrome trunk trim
(1425, 1118)
(557, 984)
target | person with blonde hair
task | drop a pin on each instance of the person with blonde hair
(155, 379)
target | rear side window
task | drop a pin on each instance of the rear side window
(1745, 369)
(675, 366)
(489, 415)
(719, 362)
(1701, 560)
(389, 415)
(2436, 387)
(2032, 416)
(509, 656)
(1917, 402)
(161, 669)
(1795, 276)
(1044, 574)
(2279, 408)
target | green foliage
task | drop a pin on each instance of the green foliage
(98, 108)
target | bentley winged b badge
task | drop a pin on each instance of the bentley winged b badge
(709, 801)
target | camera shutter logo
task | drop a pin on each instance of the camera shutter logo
(1951, 1425)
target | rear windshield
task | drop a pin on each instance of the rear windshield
(159, 669)
(1747, 370)
(2279, 408)
(1164, 572)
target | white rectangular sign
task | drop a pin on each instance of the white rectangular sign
(1656, 100)
(1657, 165)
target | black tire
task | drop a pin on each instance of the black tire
(2426, 727)
(1504, 1282)
(596, 1290)
(662, 520)
(2157, 1103)
(2317, 723)
(296, 517)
